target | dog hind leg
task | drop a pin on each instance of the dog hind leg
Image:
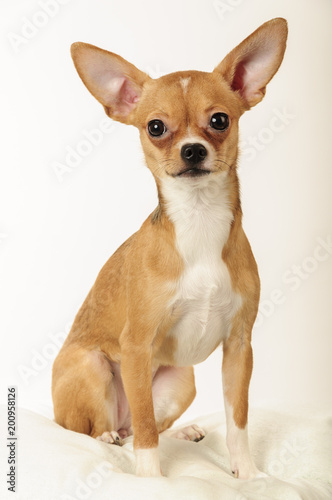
(173, 390)
(84, 393)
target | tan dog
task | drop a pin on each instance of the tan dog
(187, 281)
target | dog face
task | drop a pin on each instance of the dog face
(196, 137)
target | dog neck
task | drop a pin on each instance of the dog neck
(201, 212)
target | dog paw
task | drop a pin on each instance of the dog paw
(111, 438)
(190, 433)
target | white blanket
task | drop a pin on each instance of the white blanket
(57, 464)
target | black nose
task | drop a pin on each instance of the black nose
(193, 153)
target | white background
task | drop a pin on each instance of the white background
(56, 231)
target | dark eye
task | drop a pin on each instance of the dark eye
(219, 121)
(156, 128)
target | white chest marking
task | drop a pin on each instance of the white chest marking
(204, 298)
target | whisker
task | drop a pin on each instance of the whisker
(169, 165)
(229, 165)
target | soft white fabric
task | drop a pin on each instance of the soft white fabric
(56, 464)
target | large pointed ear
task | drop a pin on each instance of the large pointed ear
(113, 81)
(250, 66)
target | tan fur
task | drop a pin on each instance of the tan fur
(127, 315)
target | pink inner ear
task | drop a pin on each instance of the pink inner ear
(250, 66)
(249, 79)
(128, 93)
(253, 73)
(126, 98)
(238, 82)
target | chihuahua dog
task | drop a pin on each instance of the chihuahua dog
(187, 281)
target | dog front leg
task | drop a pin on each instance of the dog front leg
(136, 371)
(236, 371)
